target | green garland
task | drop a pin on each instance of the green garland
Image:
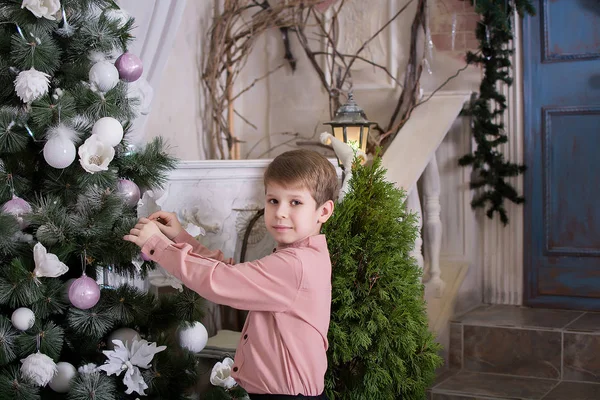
(489, 166)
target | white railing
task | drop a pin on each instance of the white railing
(411, 159)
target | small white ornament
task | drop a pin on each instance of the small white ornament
(109, 130)
(193, 337)
(42, 8)
(22, 318)
(88, 369)
(38, 368)
(221, 374)
(125, 335)
(31, 84)
(47, 264)
(59, 152)
(62, 380)
(104, 75)
(130, 360)
(95, 155)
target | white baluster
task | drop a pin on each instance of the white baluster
(414, 205)
(433, 225)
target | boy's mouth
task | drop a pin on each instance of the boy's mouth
(281, 228)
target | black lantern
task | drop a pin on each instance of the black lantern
(350, 125)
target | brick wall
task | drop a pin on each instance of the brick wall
(441, 18)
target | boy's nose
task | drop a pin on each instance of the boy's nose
(281, 212)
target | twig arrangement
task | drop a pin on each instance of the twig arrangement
(239, 24)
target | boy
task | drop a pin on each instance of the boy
(282, 350)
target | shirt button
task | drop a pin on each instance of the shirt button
(246, 336)
(235, 369)
(152, 252)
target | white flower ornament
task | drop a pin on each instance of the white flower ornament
(221, 374)
(94, 155)
(42, 8)
(47, 264)
(31, 84)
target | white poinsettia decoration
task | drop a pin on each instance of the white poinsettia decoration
(42, 8)
(31, 84)
(221, 374)
(131, 360)
(47, 264)
(94, 155)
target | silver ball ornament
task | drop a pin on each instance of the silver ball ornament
(61, 381)
(22, 318)
(104, 75)
(125, 335)
(129, 191)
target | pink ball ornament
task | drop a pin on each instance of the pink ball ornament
(84, 293)
(17, 207)
(129, 66)
(129, 191)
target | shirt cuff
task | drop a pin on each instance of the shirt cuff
(183, 237)
(154, 247)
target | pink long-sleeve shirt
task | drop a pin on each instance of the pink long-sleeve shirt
(283, 345)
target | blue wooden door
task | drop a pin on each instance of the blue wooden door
(561, 49)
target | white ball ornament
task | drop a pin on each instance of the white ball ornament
(60, 383)
(125, 335)
(108, 130)
(193, 337)
(59, 152)
(22, 318)
(38, 368)
(104, 75)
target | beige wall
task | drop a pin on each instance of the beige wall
(293, 102)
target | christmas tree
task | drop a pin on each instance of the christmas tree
(69, 186)
(379, 343)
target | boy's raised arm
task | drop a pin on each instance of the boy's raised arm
(199, 248)
(268, 284)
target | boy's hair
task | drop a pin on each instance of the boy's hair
(305, 168)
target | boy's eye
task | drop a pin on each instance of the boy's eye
(272, 201)
(296, 203)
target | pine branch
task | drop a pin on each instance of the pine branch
(50, 339)
(93, 323)
(8, 234)
(53, 300)
(148, 167)
(127, 305)
(13, 387)
(18, 287)
(8, 337)
(96, 385)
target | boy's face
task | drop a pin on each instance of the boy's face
(291, 213)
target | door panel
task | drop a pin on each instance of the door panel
(561, 49)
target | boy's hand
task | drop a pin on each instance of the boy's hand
(168, 223)
(143, 231)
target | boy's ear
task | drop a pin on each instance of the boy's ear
(325, 211)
